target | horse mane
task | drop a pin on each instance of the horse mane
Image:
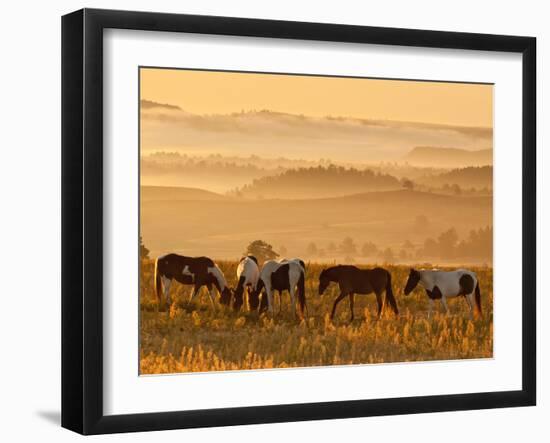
(251, 257)
(328, 271)
(218, 275)
(208, 261)
(338, 267)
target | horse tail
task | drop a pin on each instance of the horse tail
(302, 293)
(158, 281)
(262, 295)
(478, 297)
(389, 295)
(240, 284)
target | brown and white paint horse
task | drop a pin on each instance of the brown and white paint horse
(281, 275)
(248, 274)
(197, 271)
(440, 285)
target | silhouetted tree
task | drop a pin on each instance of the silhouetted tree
(387, 255)
(479, 244)
(311, 249)
(447, 243)
(430, 248)
(407, 184)
(261, 250)
(368, 249)
(408, 245)
(143, 251)
(348, 246)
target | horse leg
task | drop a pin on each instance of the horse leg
(167, 282)
(262, 303)
(269, 294)
(280, 301)
(470, 300)
(292, 293)
(430, 308)
(351, 300)
(194, 294)
(212, 296)
(380, 302)
(444, 304)
(338, 300)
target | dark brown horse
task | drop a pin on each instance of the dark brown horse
(353, 280)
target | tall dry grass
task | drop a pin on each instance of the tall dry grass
(188, 338)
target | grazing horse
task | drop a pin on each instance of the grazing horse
(248, 274)
(197, 271)
(282, 275)
(440, 285)
(284, 260)
(353, 280)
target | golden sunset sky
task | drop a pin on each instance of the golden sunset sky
(203, 92)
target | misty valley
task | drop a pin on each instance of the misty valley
(325, 211)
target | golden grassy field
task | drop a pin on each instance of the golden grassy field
(196, 338)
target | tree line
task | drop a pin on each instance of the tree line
(319, 180)
(477, 245)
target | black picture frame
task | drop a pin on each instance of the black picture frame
(82, 219)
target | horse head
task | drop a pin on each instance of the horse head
(226, 295)
(412, 281)
(324, 281)
(238, 297)
(254, 295)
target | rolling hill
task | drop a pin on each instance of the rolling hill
(173, 193)
(320, 181)
(448, 157)
(222, 227)
(469, 177)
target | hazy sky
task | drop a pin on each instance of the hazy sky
(202, 92)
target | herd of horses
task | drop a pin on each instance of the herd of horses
(258, 285)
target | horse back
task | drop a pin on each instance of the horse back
(454, 283)
(377, 278)
(173, 265)
(248, 269)
(364, 281)
(280, 278)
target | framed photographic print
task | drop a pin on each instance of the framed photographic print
(269, 221)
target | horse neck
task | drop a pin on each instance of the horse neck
(220, 278)
(331, 274)
(426, 279)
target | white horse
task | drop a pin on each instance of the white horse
(279, 276)
(248, 274)
(440, 285)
